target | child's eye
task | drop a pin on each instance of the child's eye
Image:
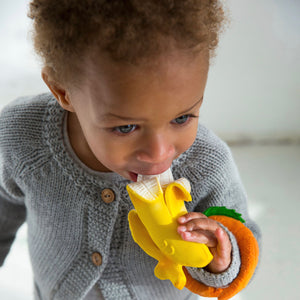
(183, 119)
(125, 129)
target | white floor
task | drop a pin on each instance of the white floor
(271, 175)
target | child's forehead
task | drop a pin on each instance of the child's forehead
(173, 77)
(166, 62)
(173, 74)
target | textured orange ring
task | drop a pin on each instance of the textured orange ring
(249, 253)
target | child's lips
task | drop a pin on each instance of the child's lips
(133, 176)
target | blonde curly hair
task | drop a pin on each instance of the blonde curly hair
(129, 31)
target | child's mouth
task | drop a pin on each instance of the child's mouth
(133, 176)
(164, 177)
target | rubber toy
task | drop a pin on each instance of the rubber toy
(153, 226)
(249, 254)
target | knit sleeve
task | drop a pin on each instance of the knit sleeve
(12, 215)
(224, 278)
(12, 208)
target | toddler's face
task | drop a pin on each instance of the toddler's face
(136, 120)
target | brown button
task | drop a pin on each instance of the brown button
(107, 195)
(97, 259)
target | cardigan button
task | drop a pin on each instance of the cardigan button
(107, 195)
(97, 259)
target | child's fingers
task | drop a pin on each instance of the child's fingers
(224, 244)
(200, 223)
(190, 216)
(221, 253)
(196, 227)
(199, 236)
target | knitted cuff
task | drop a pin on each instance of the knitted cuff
(225, 278)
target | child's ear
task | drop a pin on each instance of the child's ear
(58, 91)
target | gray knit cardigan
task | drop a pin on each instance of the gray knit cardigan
(43, 183)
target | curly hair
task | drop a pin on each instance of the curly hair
(128, 30)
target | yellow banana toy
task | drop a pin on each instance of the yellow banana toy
(153, 225)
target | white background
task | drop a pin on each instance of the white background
(253, 88)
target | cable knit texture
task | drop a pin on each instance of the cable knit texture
(44, 183)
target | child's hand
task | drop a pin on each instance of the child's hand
(196, 227)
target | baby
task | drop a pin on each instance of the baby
(127, 81)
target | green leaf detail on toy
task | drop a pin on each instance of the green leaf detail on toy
(223, 211)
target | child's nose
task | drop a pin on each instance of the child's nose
(155, 149)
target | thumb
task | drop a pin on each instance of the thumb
(224, 244)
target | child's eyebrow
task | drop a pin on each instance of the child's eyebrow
(112, 115)
(195, 104)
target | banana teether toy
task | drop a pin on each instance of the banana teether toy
(153, 225)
